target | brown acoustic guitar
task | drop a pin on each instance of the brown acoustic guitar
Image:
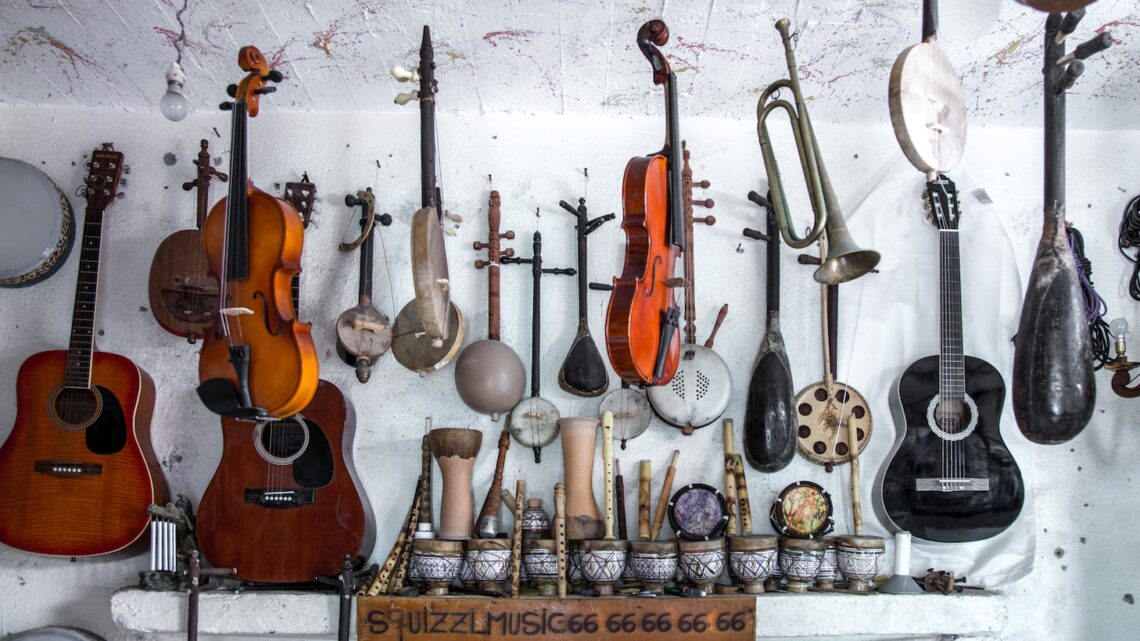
(77, 472)
(183, 294)
(285, 505)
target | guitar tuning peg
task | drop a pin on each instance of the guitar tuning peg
(122, 182)
(121, 195)
(385, 220)
(703, 184)
(708, 220)
(126, 169)
(707, 203)
(403, 74)
(405, 98)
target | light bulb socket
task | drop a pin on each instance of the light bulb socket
(175, 75)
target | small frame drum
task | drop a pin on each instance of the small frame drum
(698, 512)
(39, 228)
(803, 510)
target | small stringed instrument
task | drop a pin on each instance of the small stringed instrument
(77, 470)
(284, 504)
(642, 319)
(583, 372)
(363, 333)
(183, 293)
(951, 477)
(258, 361)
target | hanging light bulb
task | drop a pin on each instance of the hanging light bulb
(1119, 330)
(174, 105)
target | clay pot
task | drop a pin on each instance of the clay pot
(540, 560)
(437, 562)
(702, 562)
(653, 563)
(536, 522)
(751, 560)
(579, 436)
(602, 563)
(490, 562)
(799, 561)
(859, 560)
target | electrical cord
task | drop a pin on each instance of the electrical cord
(1129, 238)
(1095, 307)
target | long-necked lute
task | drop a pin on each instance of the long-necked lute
(77, 471)
(1054, 390)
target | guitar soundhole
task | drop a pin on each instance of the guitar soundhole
(75, 408)
(281, 442)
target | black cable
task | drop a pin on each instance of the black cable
(1095, 307)
(1129, 238)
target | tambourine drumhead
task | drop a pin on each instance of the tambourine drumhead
(698, 512)
(534, 422)
(429, 273)
(55, 633)
(802, 510)
(37, 222)
(927, 109)
(412, 347)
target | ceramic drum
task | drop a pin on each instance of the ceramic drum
(800, 560)
(437, 561)
(702, 562)
(536, 522)
(825, 577)
(602, 563)
(698, 512)
(490, 562)
(653, 563)
(574, 564)
(859, 560)
(751, 560)
(540, 561)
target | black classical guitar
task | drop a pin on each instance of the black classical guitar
(951, 477)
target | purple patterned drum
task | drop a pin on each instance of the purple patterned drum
(698, 512)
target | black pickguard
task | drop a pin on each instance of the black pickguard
(108, 434)
(951, 516)
(314, 467)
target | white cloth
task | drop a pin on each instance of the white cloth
(890, 319)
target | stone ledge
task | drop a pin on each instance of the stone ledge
(781, 615)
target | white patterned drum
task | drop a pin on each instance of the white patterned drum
(602, 563)
(490, 562)
(800, 560)
(653, 563)
(751, 560)
(859, 560)
(38, 225)
(702, 562)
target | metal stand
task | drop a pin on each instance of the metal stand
(347, 582)
(195, 574)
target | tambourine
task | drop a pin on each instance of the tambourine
(802, 510)
(698, 512)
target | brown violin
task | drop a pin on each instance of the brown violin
(183, 294)
(642, 319)
(258, 361)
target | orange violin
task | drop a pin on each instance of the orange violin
(258, 361)
(642, 319)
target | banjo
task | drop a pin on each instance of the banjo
(38, 223)
(701, 388)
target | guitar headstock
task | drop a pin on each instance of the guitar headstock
(253, 85)
(104, 173)
(650, 36)
(942, 201)
(302, 195)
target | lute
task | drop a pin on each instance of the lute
(363, 333)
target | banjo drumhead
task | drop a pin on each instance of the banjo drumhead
(412, 346)
(631, 411)
(534, 422)
(927, 109)
(37, 221)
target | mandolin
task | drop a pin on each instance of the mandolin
(363, 333)
(183, 293)
(78, 471)
(257, 361)
(284, 504)
(951, 477)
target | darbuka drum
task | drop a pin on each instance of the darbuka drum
(803, 510)
(37, 221)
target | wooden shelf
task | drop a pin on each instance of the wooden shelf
(781, 615)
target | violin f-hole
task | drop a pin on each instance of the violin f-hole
(653, 277)
(272, 328)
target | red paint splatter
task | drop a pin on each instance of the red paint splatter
(39, 35)
(492, 37)
(323, 40)
(702, 47)
(173, 37)
(1116, 23)
(832, 82)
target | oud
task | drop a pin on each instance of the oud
(78, 471)
(951, 477)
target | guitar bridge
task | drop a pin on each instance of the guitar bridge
(68, 469)
(278, 499)
(952, 485)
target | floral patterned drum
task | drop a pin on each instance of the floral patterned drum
(803, 510)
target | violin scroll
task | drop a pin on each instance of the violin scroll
(651, 35)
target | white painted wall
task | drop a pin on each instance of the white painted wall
(1083, 489)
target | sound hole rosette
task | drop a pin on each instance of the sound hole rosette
(803, 510)
(287, 440)
(932, 419)
(74, 409)
(821, 415)
(698, 512)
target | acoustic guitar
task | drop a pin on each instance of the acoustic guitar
(78, 471)
(285, 505)
(951, 477)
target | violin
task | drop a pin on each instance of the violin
(258, 361)
(642, 320)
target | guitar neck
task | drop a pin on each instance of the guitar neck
(951, 368)
(79, 351)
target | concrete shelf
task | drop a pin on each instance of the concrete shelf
(781, 615)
